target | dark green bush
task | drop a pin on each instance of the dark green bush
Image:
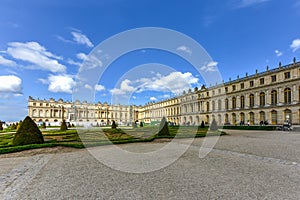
(202, 125)
(63, 126)
(113, 125)
(1, 127)
(163, 128)
(28, 133)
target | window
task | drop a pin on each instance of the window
(287, 75)
(274, 97)
(287, 96)
(41, 104)
(251, 100)
(233, 103)
(207, 94)
(226, 89)
(262, 81)
(226, 104)
(213, 92)
(219, 90)
(242, 85)
(233, 88)
(219, 104)
(274, 117)
(251, 83)
(262, 99)
(242, 102)
(207, 106)
(34, 104)
(273, 78)
(213, 105)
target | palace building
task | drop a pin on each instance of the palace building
(271, 96)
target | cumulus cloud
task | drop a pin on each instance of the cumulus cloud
(10, 83)
(174, 82)
(278, 53)
(80, 38)
(184, 49)
(99, 88)
(6, 62)
(210, 67)
(36, 54)
(295, 45)
(90, 61)
(153, 99)
(61, 83)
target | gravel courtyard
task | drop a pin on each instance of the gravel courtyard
(242, 165)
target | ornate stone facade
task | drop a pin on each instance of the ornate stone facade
(272, 96)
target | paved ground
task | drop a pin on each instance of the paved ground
(243, 165)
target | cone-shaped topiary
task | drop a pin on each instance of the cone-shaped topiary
(28, 133)
(213, 126)
(202, 125)
(141, 124)
(63, 126)
(163, 127)
(1, 127)
(113, 125)
(19, 124)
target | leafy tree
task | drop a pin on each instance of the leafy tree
(63, 126)
(214, 125)
(1, 127)
(163, 128)
(28, 133)
(113, 125)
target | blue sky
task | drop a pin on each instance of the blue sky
(43, 45)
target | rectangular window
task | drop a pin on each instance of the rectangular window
(226, 89)
(213, 92)
(219, 91)
(262, 81)
(287, 75)
(233, 88)
(251, 83)
(207, 94)
(41, 104)
(242, 85)
(273, 78)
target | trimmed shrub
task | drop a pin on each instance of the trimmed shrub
(19, 124)
(1, 127)
(13, 126)
(141, 124)
(63, 126)
(202, 125)
(43, 125)
(163, 128)
(28, 133)
(113, 125)
(213, 126)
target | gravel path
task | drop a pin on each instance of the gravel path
(243, 165)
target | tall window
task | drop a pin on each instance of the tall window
(262, 99)
(274, 117)
(262, 81)
(273, 78)
(242, 102)
(233, 88)
(226, 104)
(219, 104)
(242, 85)
(233, 103)
(287, 75)
(207, 106)
(274, 97)
(287, 96)
(251, 100)
(251, 83)
(213, 105)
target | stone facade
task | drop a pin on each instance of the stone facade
(272, 96)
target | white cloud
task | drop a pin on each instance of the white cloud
(295, 45)
(61, 83)
(10, 83)
(72, 62)
(184, 49)
(248, 3)
(210, 67)
(80, 38)
(36, 54)
(89, 62)
(81, 56)
(278, 53)
(174, 82)
(99, 88)
(6, 62)
(87, 86)
(153, 99)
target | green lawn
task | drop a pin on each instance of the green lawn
(102, 136)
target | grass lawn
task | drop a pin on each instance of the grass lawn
(102, 136)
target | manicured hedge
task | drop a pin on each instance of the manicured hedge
(267, 128)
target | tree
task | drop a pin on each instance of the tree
(113, 125)
(1, 127)
(19, 124)
(13, 126)
(63, 126)
(141, 124)
(163, 128)
(28, 133)
(214, 125)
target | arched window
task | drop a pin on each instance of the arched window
(207, 106)
(233, 103)
(226, 104)
(273, 97)
(287, 96)
(251, 117)
(242, 117)
(242, 102)
(274, 117)
(288, 115)
(251, 100)
(262, 99)
(226, 119)
(233, 118)
(213, 105)
(262, 116)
